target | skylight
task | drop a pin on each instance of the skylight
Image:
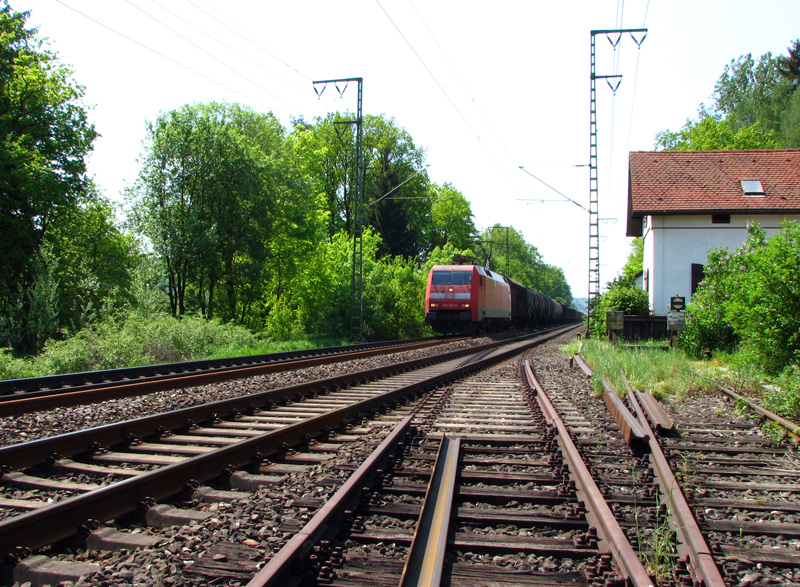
(751, 187)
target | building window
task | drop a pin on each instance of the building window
(751, 187)
(698, 274)
(720, 219)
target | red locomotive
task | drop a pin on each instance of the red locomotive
(468, 298)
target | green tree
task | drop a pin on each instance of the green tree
(635, 263)
(451, 218)
(622, 294)
(752, 92)
(789, 65)
(92, 262)
(749, 300)
(712, 134)
(214, 179)
(396, 193)
(755, 106)
(44, 139)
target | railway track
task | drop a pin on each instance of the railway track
(21, 396)
(473, 482)
(70, 486)
(479, 493)
(732, 495)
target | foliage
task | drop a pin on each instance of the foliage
(451, 218)
(784, 397)
(396, 294)
(789, 66)
(635, 262)
(755, 106)
(44, 139)
(214, 180)
(397, 193)
(132, 340)
(711, 134)
(751, 296)
(752, 92)
(622, 294)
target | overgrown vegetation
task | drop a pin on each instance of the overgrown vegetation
(668, 375)
(140, 339)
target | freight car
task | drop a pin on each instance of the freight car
(466, 299)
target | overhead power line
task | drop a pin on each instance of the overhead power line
(209, 54)
(162, 56)
(446, 95)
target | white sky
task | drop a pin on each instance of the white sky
(487, 87)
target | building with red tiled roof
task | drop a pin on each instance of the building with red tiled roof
(685, 203)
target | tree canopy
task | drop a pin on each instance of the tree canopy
(755, 106)
(55, 231)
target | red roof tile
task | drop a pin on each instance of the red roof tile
(691, 182)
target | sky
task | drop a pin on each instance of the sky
(485, 88)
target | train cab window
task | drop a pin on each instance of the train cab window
(451, 278)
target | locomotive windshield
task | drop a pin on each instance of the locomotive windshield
(451, 278)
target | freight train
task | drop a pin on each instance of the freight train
(465, 299)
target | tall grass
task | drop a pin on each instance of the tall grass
(666, 374)
(145, 339)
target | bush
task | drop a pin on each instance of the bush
(751, 298)
(137, 339)
(622, 295)
(784, 399)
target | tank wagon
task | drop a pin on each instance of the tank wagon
(466, 299)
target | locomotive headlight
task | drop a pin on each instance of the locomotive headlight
(465, 305)
(434, 305)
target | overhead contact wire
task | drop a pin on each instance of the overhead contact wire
(211, 55)
(143, 46)
(446, 95)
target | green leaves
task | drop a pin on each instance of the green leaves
(751, 298)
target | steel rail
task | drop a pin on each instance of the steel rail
(655, 412)
(630, 428)
(17, 404)
(62, 519)
(625, 557)
(425, 560)
(792, 429)
(692, 543)
(285, 567)
(33, 452)
(108, 377)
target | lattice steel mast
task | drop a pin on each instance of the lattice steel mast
(357, 274)
(594, 212)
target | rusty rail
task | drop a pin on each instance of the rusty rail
(630, 428)
(792, 429)
(692, 544)
(655, 412)
(628, 563)
(426, 557)
(286, 568)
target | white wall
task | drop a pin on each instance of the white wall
(673, 243)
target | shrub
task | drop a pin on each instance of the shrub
(622, 295)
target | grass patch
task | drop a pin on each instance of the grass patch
(666, 374)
